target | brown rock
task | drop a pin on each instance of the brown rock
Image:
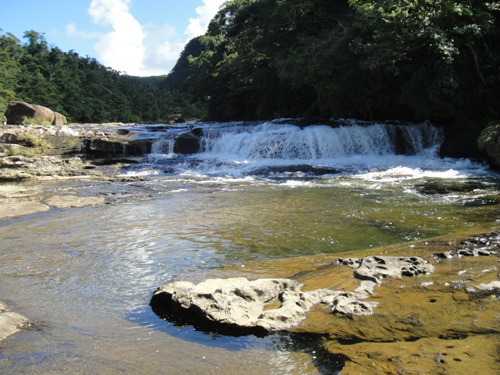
(17, 111)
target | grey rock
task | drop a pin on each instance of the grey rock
(351, 262)
(240, 306)
(375, 268)
(350, 304)
(484, 290)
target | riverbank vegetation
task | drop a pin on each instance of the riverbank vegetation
(372, 59)
(413, 60)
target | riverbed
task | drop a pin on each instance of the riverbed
(85, 275)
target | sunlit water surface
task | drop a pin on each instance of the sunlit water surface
(85, 276)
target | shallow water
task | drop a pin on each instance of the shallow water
(85, 276)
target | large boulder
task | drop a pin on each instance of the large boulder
(187, 143)
(239, 306)
(489, 144)
(116, 143)
(176, 119)
(18, 111)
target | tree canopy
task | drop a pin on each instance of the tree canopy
(80, 87)
(399, 59)
(435, 60)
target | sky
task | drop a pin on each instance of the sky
(135, 37)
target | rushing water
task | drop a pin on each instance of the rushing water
(255, 192)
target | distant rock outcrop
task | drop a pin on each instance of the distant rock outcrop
(17, 112)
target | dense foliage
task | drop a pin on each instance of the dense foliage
(81, 88)
(373, 59)
(398, 59)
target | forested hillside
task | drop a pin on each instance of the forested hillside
(381, 59)
(80, 87)
(435, 60)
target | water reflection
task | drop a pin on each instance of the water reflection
(86, 275)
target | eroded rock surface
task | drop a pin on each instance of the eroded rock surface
(484, 290)
(377, 267)
(238, 305)
(266, 305)
(18, 168)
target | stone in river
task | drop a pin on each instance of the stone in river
(239, 306)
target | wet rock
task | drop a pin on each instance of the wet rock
(240, 306)
(10, 322)
(186, 143)
(376, 268)
(115, 143)
(489, 144)
(71, 201)
(484, 290)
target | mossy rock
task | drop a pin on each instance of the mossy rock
(489, 144)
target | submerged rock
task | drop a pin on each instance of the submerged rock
(484, 290)
(11, 322)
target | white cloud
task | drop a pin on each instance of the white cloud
(161, 49)
(136, 49)
(198, 26)
(72, 31)
(123, 48)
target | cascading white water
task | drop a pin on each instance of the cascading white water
(163, 146)
(281, 141)
(242, 149)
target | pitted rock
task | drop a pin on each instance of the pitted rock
(239, 306)
(377, 267)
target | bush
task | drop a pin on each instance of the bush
(34, 121)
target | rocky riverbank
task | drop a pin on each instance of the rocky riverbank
(434, 312)
(34, 155)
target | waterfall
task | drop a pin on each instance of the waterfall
(163, 146)
(285, 141)
(240, 148)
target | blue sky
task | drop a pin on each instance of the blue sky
(138, 37)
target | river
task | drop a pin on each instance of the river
(255, 192)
